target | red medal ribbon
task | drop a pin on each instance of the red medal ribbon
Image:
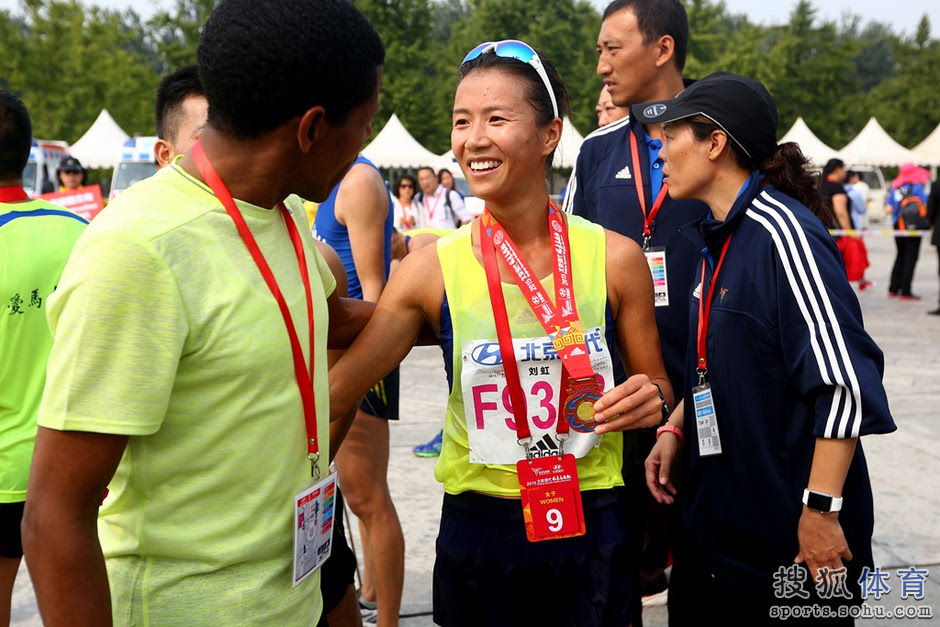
(560, 320)
(704, 311)
(13, 193)
(641, 194)
(303, 375)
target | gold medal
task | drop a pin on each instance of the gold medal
(579, 404)
(585, 411)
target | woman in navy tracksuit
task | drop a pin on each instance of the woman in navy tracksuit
(782, 378)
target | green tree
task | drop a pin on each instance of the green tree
(564, 30)
(908, 103)
(710, 27)
(69, 61)
(174, 35)
(410, 81)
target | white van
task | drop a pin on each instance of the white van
(137, 162)
(877, 191)
(40, 175)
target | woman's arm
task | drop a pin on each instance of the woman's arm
(412, 299)
(634, 403)
(822, 543)
(662, 458)
(840, 206)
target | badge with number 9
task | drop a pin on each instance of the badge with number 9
(551, 498)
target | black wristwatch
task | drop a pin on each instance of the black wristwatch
(665, 405)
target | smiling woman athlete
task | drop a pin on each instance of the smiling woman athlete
(528, 535)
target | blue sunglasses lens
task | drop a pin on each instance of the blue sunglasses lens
(473, 54)
(508, 49)
(516, 50)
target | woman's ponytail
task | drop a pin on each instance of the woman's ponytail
(789, 171)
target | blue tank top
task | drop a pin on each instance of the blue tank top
(327, 229)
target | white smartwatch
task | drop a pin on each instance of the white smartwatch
(821, 502)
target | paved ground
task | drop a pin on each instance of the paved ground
(904, 466)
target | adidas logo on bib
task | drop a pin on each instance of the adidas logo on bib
(624, 173)
(545, 447)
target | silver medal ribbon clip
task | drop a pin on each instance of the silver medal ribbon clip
(314, 464)
(526, 443)
(701, 376)
(561, 437)
(646, 242)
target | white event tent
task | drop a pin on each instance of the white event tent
(928, 151)
(100, 146)
(814, 148)
(395, 148)
(874, 147)
(448, 161)
(568, 148)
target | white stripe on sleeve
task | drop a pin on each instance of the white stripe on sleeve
(807, 282)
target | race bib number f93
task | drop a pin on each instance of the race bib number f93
(491, 428)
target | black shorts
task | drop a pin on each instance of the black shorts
(339, 571)
(11, 543)
(382, 400)
(488, 573)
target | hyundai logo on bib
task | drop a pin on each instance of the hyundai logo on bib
(654, 111)
(487, 354)
(534, 349)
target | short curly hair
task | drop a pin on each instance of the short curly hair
(264, 62)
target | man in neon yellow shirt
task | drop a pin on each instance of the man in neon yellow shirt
(173, 379)
(35, 241)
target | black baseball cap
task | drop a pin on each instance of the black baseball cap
(71, 164)
(741, 106)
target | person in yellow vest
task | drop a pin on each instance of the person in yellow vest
(36, 238)
(533, 529)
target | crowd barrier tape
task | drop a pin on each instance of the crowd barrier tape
(884, 232)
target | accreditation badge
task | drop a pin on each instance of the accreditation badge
(706, 422)
(551, 498)
(656, 258)
(313, 528)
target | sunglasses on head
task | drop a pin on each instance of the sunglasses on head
(519, 50)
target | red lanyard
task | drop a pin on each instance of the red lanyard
(641, 194)
(431, 209)
(13, 193)
(303, 375)
(704, 311)
(560, 320)
(407, 213)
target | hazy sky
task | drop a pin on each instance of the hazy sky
(903, 14)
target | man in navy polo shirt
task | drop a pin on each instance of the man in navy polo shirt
(618, 183)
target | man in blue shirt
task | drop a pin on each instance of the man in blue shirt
(618, 183)
(642, 48)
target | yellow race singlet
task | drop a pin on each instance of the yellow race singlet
(474, 456)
